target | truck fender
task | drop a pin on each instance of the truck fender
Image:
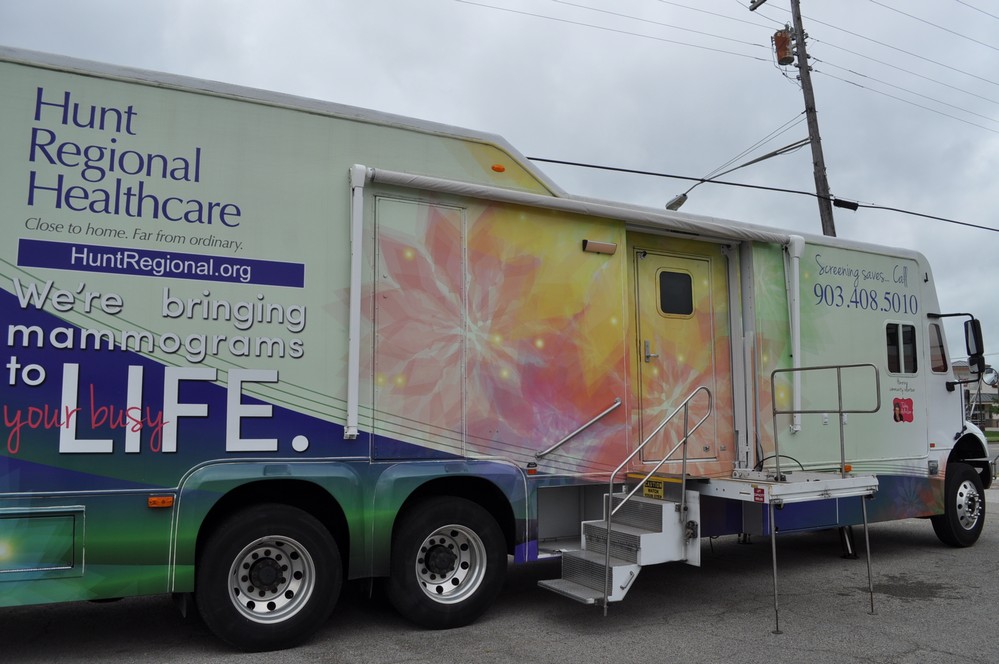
(972, 448)
(209, 491)
(402, 482)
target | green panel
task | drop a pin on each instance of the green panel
(37, 545)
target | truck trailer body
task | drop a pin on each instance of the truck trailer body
(257, 345)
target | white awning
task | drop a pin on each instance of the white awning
(644, 218)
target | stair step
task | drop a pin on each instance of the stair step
(626, 541)
(573, 590)
(587, 568)
(645, 531)
(640, 512)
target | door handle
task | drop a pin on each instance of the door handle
(648, 354)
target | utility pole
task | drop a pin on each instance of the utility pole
(818, 161)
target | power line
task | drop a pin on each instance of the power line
(756, 24)
(863, 87)
(760, 14)
(838, 202)
(961, 2)
(855, 73)
(664, 25)
(928, 78)
(787, 126)
(613, 30)
(715, 36)
(906, 101)
(828, 198)
(632, 171)
(898, 87)
(744, 55)
(871, 206)
(938, 27)
(895, 48)
(907, 71)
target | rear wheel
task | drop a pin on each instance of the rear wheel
(268, 577)
(964, 507)
(448, 563)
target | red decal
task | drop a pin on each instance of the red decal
(902, 410)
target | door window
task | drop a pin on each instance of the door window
(938, 354)
(676, 293)
(900, 341)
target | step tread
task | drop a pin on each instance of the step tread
(598, 558)
(623, 528)
(638, 497)
(572, 590)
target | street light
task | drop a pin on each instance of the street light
(677, 201)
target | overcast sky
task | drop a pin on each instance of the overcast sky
(907, 93)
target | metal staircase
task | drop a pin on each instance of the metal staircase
(638, 530)
(635, 530)
(644, 531)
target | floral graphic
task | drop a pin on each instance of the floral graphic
(482, 344)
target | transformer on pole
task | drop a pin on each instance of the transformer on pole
(789, 43)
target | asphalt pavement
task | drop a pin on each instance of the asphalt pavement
(933, 604)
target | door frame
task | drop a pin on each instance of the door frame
(737, 265)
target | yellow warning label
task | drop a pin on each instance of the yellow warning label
(653, 488)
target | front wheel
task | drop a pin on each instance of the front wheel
(964, 507)
(268, 577)
(448, 563)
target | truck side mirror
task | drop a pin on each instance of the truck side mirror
(976, 363)
(991, 377)
(973, 337)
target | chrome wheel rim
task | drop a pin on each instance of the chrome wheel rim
(451, 564)
(969, 505)
(272, 579)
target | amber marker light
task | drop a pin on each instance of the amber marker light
(159, 502)
(499, 168)
(847, 468)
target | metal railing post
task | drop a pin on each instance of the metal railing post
(840, 409)
(606, 411)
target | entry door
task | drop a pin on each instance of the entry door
(683, 344)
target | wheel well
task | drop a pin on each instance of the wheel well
(306, 496)
(969, 450)
(476, 489)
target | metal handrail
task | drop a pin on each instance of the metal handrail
(840, 411)
(687, 432)
(617, 402)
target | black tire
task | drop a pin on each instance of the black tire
(267, 578)
(964, 507)
(448, 563)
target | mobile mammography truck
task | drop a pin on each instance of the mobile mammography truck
(257, 345)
